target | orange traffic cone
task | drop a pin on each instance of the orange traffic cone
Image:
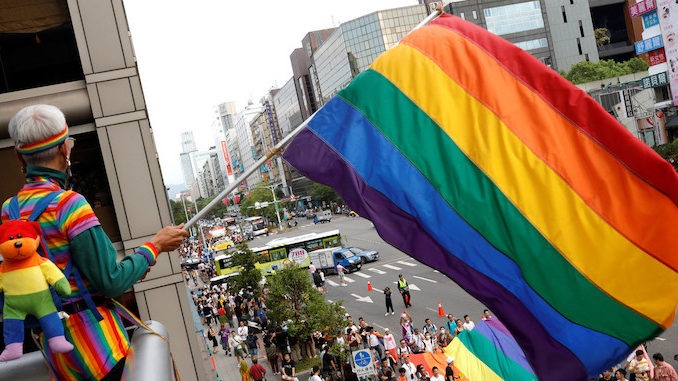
(369, 286)
(441, 313)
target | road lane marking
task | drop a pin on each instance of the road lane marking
(414, 287)
(364, 299)
(349, 280)
(376, 289)
(362, 275)
(380, 326)
(392, 267)
(426, 279)
(431, 309)
(407, 263)
(331, 283)
(377, 271)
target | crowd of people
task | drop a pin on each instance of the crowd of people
(237, 325)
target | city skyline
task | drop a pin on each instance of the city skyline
(211, 76)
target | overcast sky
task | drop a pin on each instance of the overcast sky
(193, 55)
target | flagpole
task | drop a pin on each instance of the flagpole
(278, 147)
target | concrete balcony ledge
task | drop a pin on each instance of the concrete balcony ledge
(148, 359)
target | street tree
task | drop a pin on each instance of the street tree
(260, 193)
(587, 71)
(320, 192)
(249, 276)
(294, 301)
(669, 152)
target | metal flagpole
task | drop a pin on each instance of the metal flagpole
(278, 147)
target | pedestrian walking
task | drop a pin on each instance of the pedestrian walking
(317, 281)
(224, 333)
(253, 344)
(212, 336)
(257, 372)
(340, 272)
(404, 289)
(271, 352)
(322, 281)
(389, 302)
(663, 371)
(640, 367)
(244, 371)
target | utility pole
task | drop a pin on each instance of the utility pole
(277, 211)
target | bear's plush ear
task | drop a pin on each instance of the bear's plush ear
(36, 226)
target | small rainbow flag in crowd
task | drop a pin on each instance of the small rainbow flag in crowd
(489, 352)
(473, 157)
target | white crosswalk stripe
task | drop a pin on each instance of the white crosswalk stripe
(426, 279)
(392, 267)
(347, 279)
(377, 271)
(363, 275)
(407, 263)
(377, 290)
(331, 283)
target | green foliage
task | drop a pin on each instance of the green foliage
(602, 36)
(178, 212)
(320, 192)
(293, 300)
(249, 276)
(587, 71)
(340, 351)
(259, 193)
(669, 152)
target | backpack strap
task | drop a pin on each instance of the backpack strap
(39, 208)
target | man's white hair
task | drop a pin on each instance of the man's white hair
(33, 123)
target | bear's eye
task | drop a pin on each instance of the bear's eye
(11, 237)
(18, 236)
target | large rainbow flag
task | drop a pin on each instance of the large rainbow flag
(489, 353)
(474, 158)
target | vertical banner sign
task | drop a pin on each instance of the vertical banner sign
(668, 20)
(224, 149)
(271, 123)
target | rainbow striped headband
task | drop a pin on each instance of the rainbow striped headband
(43, 144)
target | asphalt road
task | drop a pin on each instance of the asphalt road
(428, 286)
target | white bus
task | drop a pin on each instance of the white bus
(257, 225)
(282, 252)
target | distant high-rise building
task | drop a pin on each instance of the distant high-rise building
(245, 155)
(187, 168)
(304, 78)
(188, 142)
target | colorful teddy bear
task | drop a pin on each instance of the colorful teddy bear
(24, 278)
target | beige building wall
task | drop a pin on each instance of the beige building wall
(132, 167)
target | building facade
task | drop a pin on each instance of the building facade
(557, 32)
(353, 46)
(244, 157)
(303, 74)
(187, 168)
(85, 65)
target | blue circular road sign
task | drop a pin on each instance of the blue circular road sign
(362, 359)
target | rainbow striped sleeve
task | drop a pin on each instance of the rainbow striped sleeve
(149, 252)
(75, 214)
(473, 157)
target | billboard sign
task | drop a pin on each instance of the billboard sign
(642, 7)
(668, 21)
(657, 56)
(649, 45)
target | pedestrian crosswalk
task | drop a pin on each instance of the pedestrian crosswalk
(410, 264)
(383, 269)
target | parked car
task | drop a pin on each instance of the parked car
(365, 255)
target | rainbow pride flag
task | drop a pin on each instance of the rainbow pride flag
(489, 353)
(474, 158)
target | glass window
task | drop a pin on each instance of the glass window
(514, 18)
(532, 44)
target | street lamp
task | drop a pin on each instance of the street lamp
(275, 201)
